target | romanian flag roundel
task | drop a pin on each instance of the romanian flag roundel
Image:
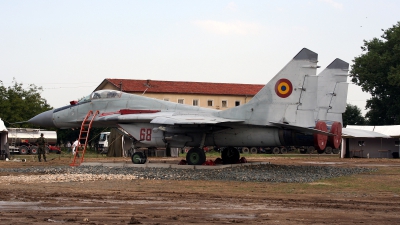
(283, 88)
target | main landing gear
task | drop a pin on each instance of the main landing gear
(196, 156)
(139, 158)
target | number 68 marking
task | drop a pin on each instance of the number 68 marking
(145, 134)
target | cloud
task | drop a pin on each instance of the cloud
(227, 28)
(333, 3)
(232, 7)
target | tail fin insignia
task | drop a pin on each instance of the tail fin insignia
(283, 88)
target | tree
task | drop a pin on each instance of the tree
(353, 116)
(377, 71)
(18, 104)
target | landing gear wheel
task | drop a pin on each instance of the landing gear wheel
(276, 150)
(139, 158)
(283, 150)
(328, 150)
(196, 156)
(245, 150)
(303, 151)
(320, 151)
(230, 155)
(253, 150)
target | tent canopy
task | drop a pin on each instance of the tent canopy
(2, 127)
(390, 131)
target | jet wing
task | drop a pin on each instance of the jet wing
(167, 118)
(302, 129)
(191, 119)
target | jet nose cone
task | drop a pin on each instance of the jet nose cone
(44, 119)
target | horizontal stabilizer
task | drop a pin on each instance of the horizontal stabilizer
(302, 129)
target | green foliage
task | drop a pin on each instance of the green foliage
(353, 116)
(18, 104)
(377, 71)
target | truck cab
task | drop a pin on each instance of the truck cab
(102, 147)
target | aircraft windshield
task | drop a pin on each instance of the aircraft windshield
(102, 94)
(85, 99)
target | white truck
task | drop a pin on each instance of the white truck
(23, 140)
(102, 147)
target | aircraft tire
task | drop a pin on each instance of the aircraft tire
(320, 151)
(328, 150)
(283, 150)
(138, 158)
(230, 155)
(195, 156)
(303, 151)
(276, 150)
(253, 150)
(245, 150)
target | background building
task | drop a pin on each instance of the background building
(371, 141)
(202, 94)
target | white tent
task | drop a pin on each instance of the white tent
(362, 131)
(3, 138)
(374, 141)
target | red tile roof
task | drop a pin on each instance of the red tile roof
(184, 87)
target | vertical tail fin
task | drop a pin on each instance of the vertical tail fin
(332, 91)
(289, 97)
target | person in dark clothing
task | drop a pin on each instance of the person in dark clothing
(41, 143)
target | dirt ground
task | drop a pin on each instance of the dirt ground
(372, 198)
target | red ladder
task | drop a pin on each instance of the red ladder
(83, 135)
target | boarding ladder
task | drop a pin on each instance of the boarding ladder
(83, 136)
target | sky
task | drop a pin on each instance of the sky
(69, 47)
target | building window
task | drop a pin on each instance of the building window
(224, 103)
(237, 103)
(195, 102)
(180, 101)
(166, 99)
(210, 103)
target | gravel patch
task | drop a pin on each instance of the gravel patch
(256, 173)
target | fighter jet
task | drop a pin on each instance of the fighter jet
(280, 114)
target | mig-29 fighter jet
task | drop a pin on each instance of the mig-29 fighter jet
(282, 113)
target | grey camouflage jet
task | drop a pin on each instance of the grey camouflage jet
(285, 112)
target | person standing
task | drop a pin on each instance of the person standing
(74, 146)
(41, 143)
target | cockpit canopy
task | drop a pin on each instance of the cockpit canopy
(106, 94)
(101, 94)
